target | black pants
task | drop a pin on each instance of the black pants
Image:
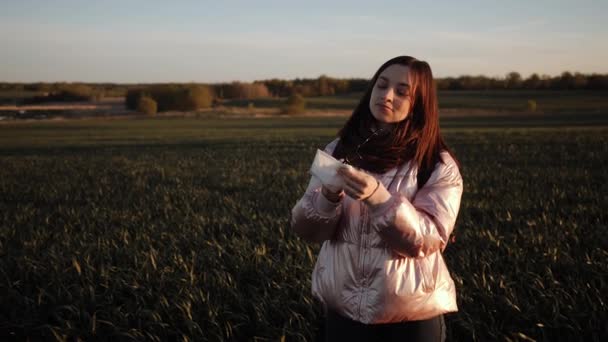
(339, 328)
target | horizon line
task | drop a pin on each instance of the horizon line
(496, 77)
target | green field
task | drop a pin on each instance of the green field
(165, 229)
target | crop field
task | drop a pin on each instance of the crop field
(177, 229)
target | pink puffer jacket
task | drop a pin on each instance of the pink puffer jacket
(384, 264)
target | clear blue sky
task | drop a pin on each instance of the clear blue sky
(217, 41)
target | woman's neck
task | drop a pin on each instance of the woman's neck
(386, 126)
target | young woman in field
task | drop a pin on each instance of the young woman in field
(380, 273)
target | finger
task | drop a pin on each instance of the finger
(343, 170)
(358, 175)
(351, 191)
(343, 167)
(350, 194)
(352, 184)
(353, 175)
(357, 178)
(360, 188)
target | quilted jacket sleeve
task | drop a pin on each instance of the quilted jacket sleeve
(314, 218)
(423, 226)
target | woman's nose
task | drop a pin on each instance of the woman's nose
(387, 95)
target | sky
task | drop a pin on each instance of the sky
(132, 41)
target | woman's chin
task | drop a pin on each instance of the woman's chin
(383, 118)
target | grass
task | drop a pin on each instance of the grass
(166, 229)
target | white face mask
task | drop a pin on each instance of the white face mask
(325, 168)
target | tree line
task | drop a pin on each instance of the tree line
(194, 94)
(325, 85)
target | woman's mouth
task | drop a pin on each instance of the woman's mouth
(385, 108)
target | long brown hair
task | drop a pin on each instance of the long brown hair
(416, 138)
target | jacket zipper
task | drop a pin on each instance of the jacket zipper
(363, 253)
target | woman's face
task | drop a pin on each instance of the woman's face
(390, 99)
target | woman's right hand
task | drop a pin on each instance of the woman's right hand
(331, 194)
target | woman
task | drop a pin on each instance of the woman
(380, 273)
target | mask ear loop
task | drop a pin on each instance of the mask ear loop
(347, 161)
(366, 141)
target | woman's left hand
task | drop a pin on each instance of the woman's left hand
(358, 184)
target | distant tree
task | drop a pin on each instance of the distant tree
(64, 92)
(357, 85)
(546, 82)
(565, 81)
(325, 86)
(597, 81)
(532, 82)
(180, 97)
(279, 88)
(579, 81)
(304, 89)
(198, 97)
(242, 90)
(147, 105)
(513, 80)
(258, 90)
(455, 83)
(296, 104)
(132, 98)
